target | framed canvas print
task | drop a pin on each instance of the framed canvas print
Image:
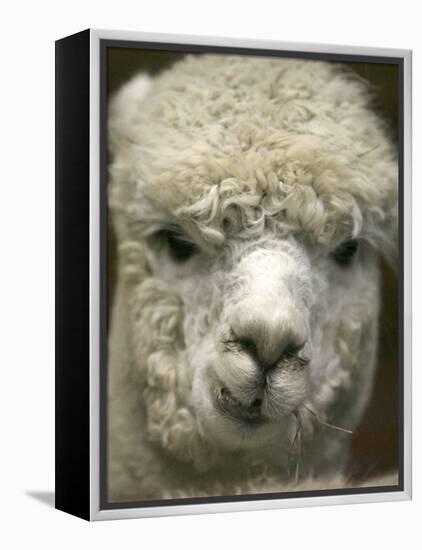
(233, 274)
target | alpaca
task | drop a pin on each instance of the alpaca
(251, 198)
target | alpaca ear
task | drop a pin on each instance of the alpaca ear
(123, 108)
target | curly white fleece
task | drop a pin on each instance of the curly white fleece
(261, 162)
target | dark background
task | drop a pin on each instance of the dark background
(375, 445)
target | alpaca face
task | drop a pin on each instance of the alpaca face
(264, 328)
(250, 199)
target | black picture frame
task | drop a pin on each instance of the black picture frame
(81, 274)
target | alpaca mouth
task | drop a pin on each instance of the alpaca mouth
(249, 414)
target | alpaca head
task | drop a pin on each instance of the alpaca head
(250, 198)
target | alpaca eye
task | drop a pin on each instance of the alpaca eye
(344, 254)
(179, 247)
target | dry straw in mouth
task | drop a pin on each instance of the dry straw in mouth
(327, 424)
(297, 439)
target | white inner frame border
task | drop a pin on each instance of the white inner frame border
(94, 307)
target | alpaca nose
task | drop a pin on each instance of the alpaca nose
(268, 333)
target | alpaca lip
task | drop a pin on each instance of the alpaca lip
(229, 405)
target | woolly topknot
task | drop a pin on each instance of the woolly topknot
(230, 143)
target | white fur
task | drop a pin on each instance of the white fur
(267, 165)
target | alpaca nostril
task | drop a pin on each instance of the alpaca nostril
(249, 345)
(290, 358)
(293, 349)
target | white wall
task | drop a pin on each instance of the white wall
(27, 270)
